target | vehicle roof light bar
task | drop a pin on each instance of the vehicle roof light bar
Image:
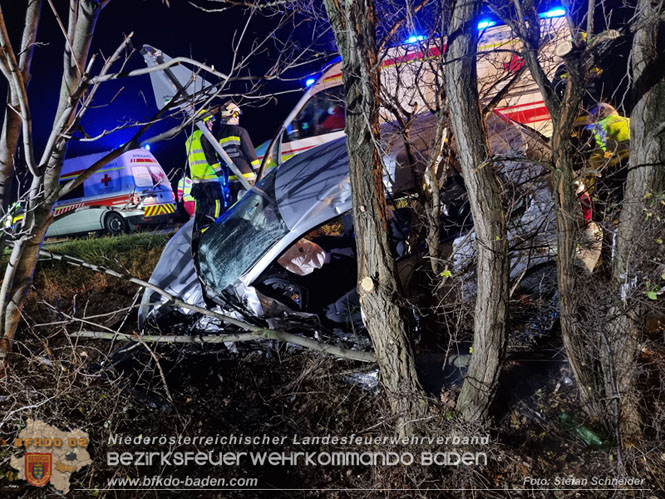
(550, 14)
(555, 12)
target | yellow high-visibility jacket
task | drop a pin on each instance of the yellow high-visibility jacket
(199, 167)
(616, 128)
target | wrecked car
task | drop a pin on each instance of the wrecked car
(285, 251)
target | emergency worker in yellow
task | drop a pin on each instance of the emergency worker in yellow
(237, 144)
(208, 178)
(608, 158)
(611, 132)
(184, 196)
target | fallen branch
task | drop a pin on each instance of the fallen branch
(262, 334)
(256, 330)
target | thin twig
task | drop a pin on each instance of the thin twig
(261, 334)
(159, 367)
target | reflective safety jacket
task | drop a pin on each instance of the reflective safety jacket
(236, 143)
(199, 167)
(185, 189)
(614, 128)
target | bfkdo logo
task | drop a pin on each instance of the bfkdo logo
(50, 455)
(38, 468)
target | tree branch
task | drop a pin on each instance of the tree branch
(132, 143)
(64, 32)
(256, 330)
(263, 334)
(17, 87)
(173, 62)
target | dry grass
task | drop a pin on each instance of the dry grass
(280, 393)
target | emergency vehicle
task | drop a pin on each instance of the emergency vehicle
(130, 191)
(410, 75)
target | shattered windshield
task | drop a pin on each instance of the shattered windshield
(243, 235)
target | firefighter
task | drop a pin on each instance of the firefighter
(185, 198)
(208, 178)
(237, 144)
(611, 132)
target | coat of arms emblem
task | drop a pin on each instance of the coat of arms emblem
(38, 468)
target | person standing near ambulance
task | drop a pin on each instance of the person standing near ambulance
(235, 141)
(184, 196)
(208, 178)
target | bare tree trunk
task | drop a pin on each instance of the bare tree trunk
(432, 195)
(489, 339)
(20, 269)
(580, 348)
(11, 131)
(354, 25)
(433, 178)
(11, 125)
(645, 175)
(45, 186)
(576, 342)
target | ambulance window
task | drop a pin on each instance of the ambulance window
(323, 113)
(142, 176)
(158, 176)
(75, 194)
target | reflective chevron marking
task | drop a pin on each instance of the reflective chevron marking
(158, 209)
(67, 209)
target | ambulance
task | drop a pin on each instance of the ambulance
(124, 194)
(411, 78)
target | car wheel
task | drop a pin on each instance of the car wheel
(114, 224)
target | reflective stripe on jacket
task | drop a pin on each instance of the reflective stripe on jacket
(248, 176)
(185, 189)
(616, 128)
(237, 144)
(200, 169)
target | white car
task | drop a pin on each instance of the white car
(285, 251)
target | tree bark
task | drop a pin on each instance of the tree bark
(354, 25)
(646, 175)
(580, 348)
(489, 339)
(11, 125)
(45, 187)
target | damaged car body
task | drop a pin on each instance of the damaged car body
(285, 253)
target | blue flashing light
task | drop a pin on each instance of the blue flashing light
(414, 39)
(556, 12)
(309, 82)
(146, 147)
(486, 23)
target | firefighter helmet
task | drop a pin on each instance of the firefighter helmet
(231, 110)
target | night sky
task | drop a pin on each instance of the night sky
(178, 30)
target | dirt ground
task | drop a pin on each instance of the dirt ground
(285, 400)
